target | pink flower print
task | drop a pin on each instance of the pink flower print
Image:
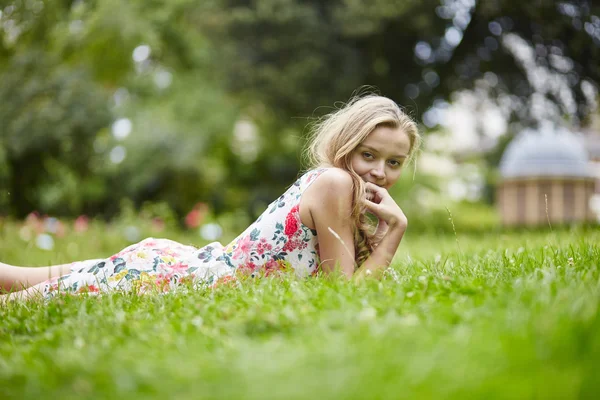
(89, 289)
(271, 265)
(290, 245)
(148, 243)
(114, 257)
(247, 269)
(178, 268)
(291, 221)
(263, 247)
(295, 243)
(224, 280)
(162, 281)
(243, 247)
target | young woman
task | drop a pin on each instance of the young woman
(319, 224)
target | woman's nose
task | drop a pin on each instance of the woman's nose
(378, 172)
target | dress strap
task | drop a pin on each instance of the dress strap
(308, 178)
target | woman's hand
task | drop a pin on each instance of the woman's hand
(380, 203)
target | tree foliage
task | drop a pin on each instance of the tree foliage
(50, 117)
(67, 73)
(218, 92)
(296, 54)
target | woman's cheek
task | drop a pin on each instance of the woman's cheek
(394, 178)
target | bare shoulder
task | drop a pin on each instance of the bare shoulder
(330, 186)
(334, 179)
(329, 203)
(330, 193)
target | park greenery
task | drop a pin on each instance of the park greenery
(121, 120)
(498, 316)
(185, 101)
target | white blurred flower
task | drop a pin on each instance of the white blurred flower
(121, 128)
(132, 233)
(118, 154)
(51, 224)
(211, 231)
(141, 53)
(44, 241)
(163, 79)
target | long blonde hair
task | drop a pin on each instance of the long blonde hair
(335, 136)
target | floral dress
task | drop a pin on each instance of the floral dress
(276, 241)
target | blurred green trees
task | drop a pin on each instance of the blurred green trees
(299, 54)
(51, 114)
(186, 101)
(67, 75)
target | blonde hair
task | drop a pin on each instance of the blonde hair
(334, 138)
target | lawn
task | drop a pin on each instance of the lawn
(498, 315)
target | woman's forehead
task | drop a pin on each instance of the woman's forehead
(392, 140)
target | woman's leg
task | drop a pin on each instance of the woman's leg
(14, 279)
(21, 294)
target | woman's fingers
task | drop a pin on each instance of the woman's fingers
(375, 208)
(377, 193)
(374, 188)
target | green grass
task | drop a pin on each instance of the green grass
(503, 316)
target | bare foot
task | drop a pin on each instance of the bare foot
(21, 295)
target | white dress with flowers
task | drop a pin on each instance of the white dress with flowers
(276, 241)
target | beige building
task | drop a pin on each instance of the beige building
(546, 176)
(592, 145)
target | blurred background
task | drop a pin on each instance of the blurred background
(193, 113)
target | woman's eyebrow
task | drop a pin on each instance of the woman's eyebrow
(377, 151)
(373, 149)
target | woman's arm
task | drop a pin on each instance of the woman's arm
(383, 254)
(329, 200)
(380, 203)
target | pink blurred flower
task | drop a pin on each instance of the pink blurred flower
(158, 225)
(34, 221)
(61, 229)
(81, 224)
(195, 217)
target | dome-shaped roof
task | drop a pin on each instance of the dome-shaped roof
(554, 152)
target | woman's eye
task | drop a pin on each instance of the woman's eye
(367, 155)
(395, 163)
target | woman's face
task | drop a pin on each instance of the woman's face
(380, 157)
